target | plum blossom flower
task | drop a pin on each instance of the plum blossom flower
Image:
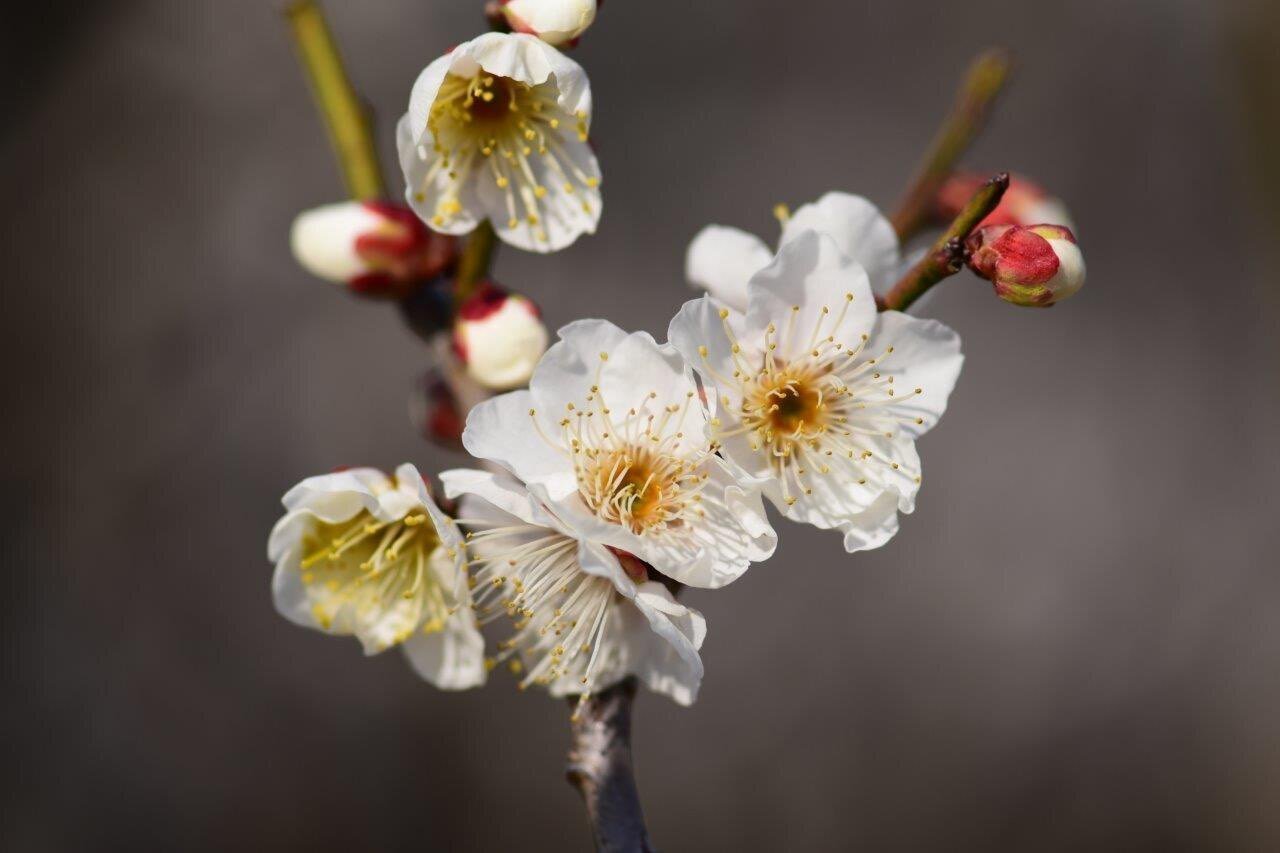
(819, 394)
(499, 337)
(557, 22)
(721, 260)
(497, 129)
(362, 554)
(584, 616)
(374, 248)
(613, 437)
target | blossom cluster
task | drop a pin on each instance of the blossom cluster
(628, 468)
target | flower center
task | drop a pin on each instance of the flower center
(636, 487)
(363, 571)
(511, 130)
(820, 400)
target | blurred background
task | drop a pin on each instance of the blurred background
(1072, 644)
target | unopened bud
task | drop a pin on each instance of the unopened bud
(436, 411)
(1024, 203)
(1035, 266)
(499, 337)
(374, 248)
(557, 22)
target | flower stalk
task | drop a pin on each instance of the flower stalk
(985, 79)
(473, 266)
(948, 254)
(600, 768)
(344, 114)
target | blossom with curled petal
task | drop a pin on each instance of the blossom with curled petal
(363, 554)
(614, 438)
(721, 260)
(497, 129)
(820, 394)
(584, 616)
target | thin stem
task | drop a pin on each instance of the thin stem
(477, 257)
(947, 255)
(344, 114)
(987, 75)
(600, 768)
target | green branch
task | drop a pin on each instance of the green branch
(987, 75)
(344, 114)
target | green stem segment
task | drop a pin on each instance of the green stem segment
(473, 266)
(947, 256)
(344, 114)
(986, 77)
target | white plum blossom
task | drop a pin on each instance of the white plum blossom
(584, 617)
(613, 436)
(497, 129)
(557, 22)
(721, 259)
(361, 554)
(820, 394)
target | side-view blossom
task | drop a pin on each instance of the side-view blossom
(1024, 203)
(557, 22)
(613, 436)
(497, 129)
(374, 248)
(359, 553)
(721, 260)
(1034, 266)
(821, 397)
(499, 337)
(583, 616)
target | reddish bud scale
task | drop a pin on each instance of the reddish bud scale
(1033, 266)
(403, 254)
(636, 568)
(1024, 203)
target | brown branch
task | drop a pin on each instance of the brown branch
(947, 256)
(987, 75)
(600, 768)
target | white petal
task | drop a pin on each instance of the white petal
(452, 658)
(872, 527)
(338, 496)
(595, 559)
(697, 325)
(421, 98)
(502, 430)
(926, 355)
(423, 196)
(859, 230)
(811, 273)
(502, 491)
(563, 216)
(721, 260)
(672, 665)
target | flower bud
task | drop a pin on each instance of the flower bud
(436, 411)
(499, 337)
(557, 22)
(374, 248)
(1024, 203)
(1034, 266)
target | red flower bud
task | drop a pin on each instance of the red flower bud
(374, 248)
(1034, 266)
(1024, 203)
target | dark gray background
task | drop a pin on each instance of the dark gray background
(1071, 645)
